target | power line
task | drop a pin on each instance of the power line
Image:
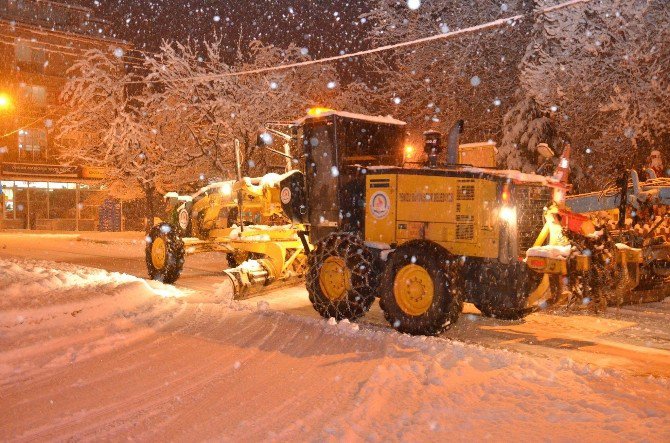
(28, 125)
(73, 54)
(483, 26)
(40, 45)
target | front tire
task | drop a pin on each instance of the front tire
(342, 277)
(422, 289)
(164, 253)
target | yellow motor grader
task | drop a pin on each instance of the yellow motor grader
(242, 218)
(425, 239)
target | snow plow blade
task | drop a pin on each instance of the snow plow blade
(254, 277)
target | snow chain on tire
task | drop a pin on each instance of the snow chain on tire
(363, 272)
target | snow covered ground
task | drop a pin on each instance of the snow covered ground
(91, 353)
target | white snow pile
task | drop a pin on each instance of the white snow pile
(549, 251)
(427, 386)
(234, 371)
(60, 309)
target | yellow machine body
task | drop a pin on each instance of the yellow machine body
(481, 155)
(456, 212)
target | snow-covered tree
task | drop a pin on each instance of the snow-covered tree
(431, 85)
(106, 126)
(605, 67)
(525, 125)
(214, 106)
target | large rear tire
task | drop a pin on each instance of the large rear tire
(502, 291)
(342, 277)
(164, 253)
(421, 289)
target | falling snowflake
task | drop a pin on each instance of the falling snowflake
(413, 4)
(396, 100)
(475, 81)
(629, 132)
(331, 85)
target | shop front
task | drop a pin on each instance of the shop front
(50, 197)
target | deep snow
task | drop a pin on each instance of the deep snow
(86, 353)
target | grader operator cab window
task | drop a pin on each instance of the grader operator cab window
(338, 147)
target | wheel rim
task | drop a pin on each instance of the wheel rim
(334, 278)
(413, 290)
(158, 251)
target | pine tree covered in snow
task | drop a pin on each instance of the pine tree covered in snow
(525, 125)
(471, 76)
(605, 67)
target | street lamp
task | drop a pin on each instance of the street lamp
(6, 103)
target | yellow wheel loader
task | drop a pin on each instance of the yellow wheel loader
(421, 239)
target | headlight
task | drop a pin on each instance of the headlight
(226, 189)
(507, 214)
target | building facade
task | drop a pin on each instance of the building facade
(39, 41)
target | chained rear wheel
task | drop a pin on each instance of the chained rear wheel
(342, 277)
(422, 288)
(502, 290)
(164, 253)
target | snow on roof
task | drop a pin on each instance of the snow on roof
(269, 180)
(388, 120)
(514, 175)
(504, 173)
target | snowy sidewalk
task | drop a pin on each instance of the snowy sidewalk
(90, 354)
(125, 237)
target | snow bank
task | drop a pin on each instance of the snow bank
(55, 309)
(240, 371)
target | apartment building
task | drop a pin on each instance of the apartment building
(39, 41)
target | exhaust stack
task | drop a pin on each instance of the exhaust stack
(452, 142)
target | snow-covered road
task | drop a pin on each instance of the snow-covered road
(87, 353)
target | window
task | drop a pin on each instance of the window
(57, 185)
(8, 199)
(29, 56)
(34, 95)
(32, 144)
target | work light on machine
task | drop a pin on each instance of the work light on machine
(226, 189)
(317, 111)
(409, 151)
(507, 214)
